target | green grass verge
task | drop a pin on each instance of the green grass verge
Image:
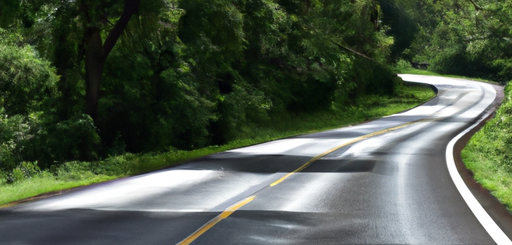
(488, 155)
(74, 174)
(43, 183)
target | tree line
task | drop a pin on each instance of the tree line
(463, 37)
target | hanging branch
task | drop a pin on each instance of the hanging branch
(343, 47)
(477, 7)
(351, 51)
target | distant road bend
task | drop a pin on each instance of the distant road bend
(386, 181)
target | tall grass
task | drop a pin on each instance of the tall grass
(74, 174)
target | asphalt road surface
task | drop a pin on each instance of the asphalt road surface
(381, 182)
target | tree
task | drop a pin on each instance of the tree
(190, 73)
(96, 51)
(97, 26)
(25, 80)
(9, 12)
(465, 37)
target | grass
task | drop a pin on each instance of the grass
(43, 183)
(488, 154)
(34, 182)
(488, 170)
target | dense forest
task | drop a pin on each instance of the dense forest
(87, 79)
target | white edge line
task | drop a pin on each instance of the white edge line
(483, 217)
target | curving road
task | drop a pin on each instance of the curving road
(380, 182)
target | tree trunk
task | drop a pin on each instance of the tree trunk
(94, 62)
(96, 53)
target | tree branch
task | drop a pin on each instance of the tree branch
(351, 51)
(131, 7)
(477, 7)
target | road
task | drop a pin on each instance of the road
(381, 182)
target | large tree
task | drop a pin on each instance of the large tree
(96, 16)
(83, 32)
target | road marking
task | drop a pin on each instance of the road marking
(215, 220)
(482, 216)
(240, 204)
(360, 138)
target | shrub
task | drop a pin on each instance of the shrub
(14, 131)
(52, 143)
(25, 170)
(25, 80)
(74, 171)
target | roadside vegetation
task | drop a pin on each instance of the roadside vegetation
(488, 155)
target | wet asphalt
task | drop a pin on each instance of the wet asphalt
(391, 188)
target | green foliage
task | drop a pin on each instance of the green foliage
(169, 111)
(32, 139)
(23, 171)
(3, 177)
(403, 66)
(469, 38)
(13, 132)
(74, 171)
(400, 17)
(9, 11)
(27, 84)
(186, 74)
(53, 143)
(25, 80)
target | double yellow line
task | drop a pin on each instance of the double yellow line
(226, 213)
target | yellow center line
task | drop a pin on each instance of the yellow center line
(216, 220)
(226, 213)
(360, 138)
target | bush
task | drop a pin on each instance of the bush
(495, 138)
(74, 171)
(14, 132)
(25, 170)
(53, 143)
(3, 177)
(25, 80)
(403, 65)
(40, 138)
